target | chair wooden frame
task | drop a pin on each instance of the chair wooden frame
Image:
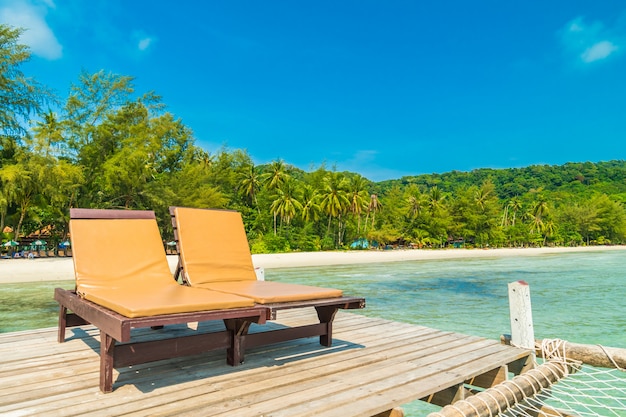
(117, 349)
(326, 310)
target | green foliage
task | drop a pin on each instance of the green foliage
(21, 96)
(112, 147)
(273, 244)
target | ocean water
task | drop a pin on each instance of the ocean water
(579, 297)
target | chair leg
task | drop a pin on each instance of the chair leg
(62, 323)
(326, 314)
(238, 330)
(107, 362)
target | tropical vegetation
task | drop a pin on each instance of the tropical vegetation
(107, 146)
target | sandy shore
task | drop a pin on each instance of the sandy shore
(51, 269)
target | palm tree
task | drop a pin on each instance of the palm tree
(249, 184)
(549, 229)
(435, 199)
(276, 175)
(484, 194)
(540, 209)
(516, 206)
(286, 204)
(415, 201)
(357, 196)
(334, 200)
(310, 204)
(373, 206)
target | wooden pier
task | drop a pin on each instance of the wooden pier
(373, 366)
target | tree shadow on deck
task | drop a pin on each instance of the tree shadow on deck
(212, 365)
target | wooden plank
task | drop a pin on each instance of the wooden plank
(374, 366)
(350, 380)
(259, 384)
(256, 377)
(363, 393)
(134, 368)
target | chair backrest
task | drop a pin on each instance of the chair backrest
(212, 245)
(115, 249)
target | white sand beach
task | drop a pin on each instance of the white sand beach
(52, 269)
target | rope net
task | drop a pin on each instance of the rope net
(558, 387)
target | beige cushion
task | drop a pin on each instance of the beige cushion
(213, 246)
(214, 253)
(264, 292)
(121, 264)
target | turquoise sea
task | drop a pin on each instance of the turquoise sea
(579, 297)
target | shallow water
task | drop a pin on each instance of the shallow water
(578, 297)
(30, 305)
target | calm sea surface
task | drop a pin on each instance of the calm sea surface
(579, 297)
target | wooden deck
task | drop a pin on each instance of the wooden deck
(373, 366)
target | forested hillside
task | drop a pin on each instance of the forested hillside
(580, 178)
(107, 146)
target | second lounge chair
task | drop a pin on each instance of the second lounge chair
(214, 254)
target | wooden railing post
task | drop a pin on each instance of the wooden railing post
(522, 331)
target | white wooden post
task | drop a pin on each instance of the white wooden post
(522, 332)
(260, 273)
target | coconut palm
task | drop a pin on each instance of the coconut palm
(249, 184)
(549, 230)
(286, 204)
(310, 204)
(373, 207)
(435, 200)
(357, 195)
(276, 175)
(415, 201)
(484, 194)
(334, 200)
(516, 205)
(540, 209)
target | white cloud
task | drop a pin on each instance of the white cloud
(37, 34)
(144, 43)
(600, 50)
(590, 42)
(575, 26)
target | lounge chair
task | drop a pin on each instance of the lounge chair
(123, 281)
(214, 255)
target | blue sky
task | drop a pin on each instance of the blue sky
(383, 88)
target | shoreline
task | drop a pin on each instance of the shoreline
(56, 269)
